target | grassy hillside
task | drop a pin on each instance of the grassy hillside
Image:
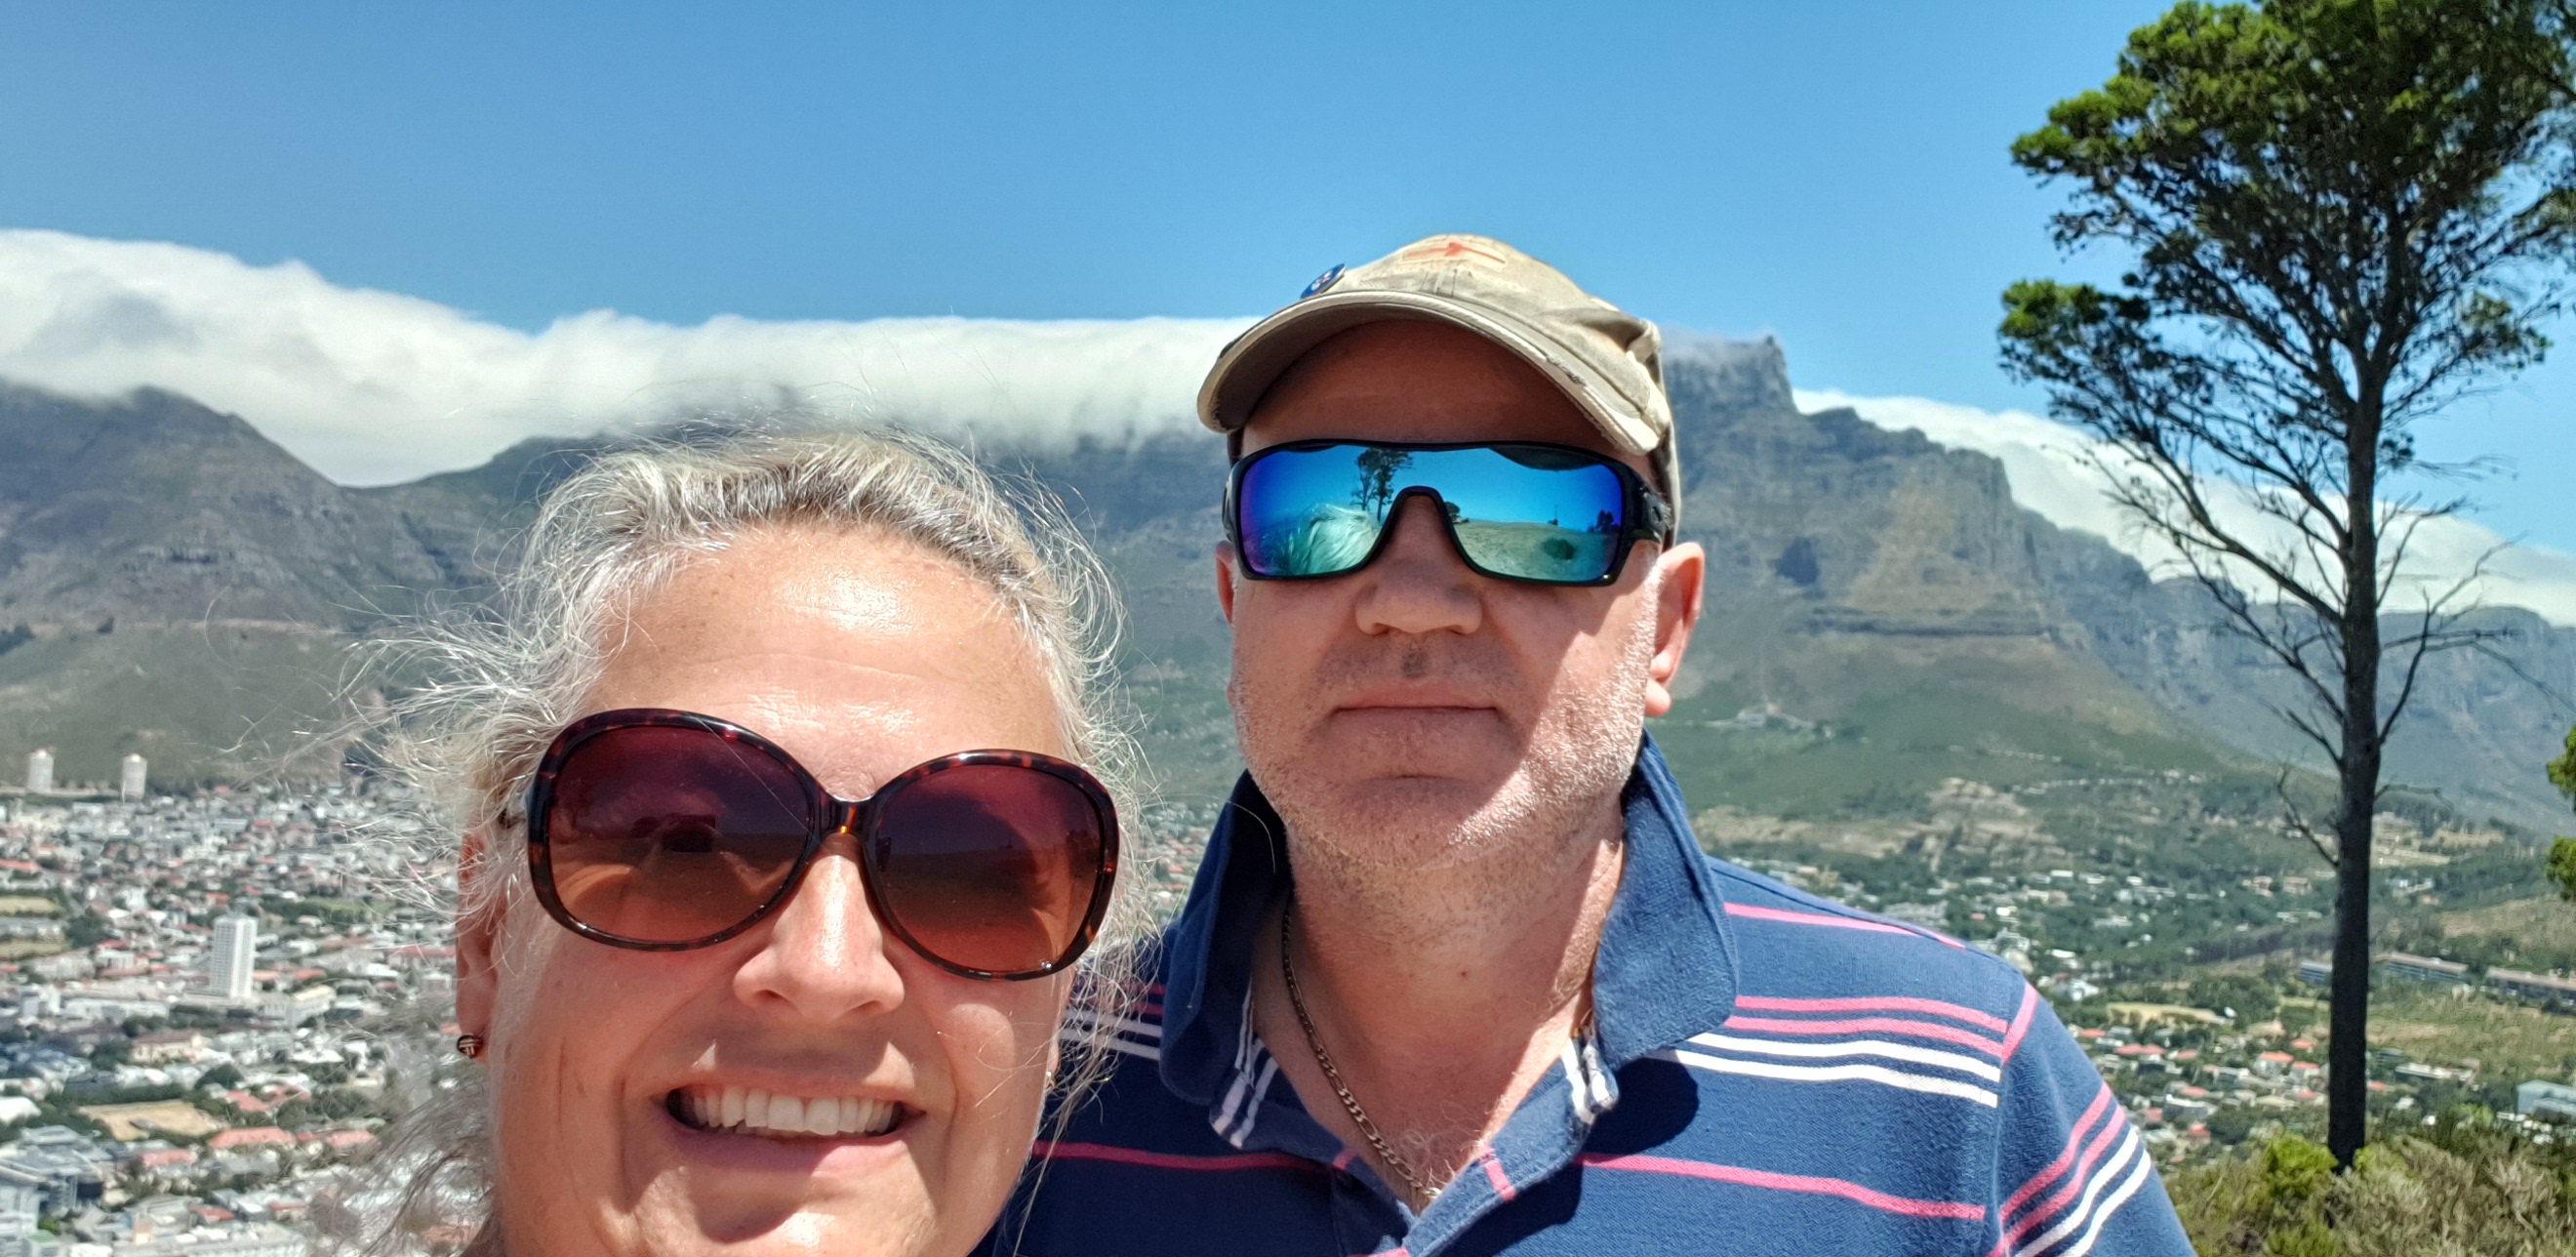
(207, 702)
(1780, 719)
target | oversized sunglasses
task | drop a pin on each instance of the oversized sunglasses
(1520, 511)
(667, 830)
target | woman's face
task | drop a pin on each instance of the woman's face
(862, 656)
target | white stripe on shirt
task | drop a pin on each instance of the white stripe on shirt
(2130, 1146)
(1832, 1073)
(1855, 1047)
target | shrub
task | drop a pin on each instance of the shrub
(2231, 1124)
(2469, 1187)
(2252, 1000)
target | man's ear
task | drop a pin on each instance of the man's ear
(1225, 579)
(478, 928)
(1682, 574)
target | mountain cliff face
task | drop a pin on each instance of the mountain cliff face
(1862, 529)
(1882, 616)
(158, 511)
(1837, 529)
(188, 586)
(2478, 726)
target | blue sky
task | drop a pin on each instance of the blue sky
(1833, 174)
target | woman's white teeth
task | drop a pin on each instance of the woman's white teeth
(757, 1112)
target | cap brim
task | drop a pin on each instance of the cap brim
(1247, 368)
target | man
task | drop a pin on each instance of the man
(1454, 977)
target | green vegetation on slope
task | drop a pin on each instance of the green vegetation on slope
(2464, 1185)
(207, 702)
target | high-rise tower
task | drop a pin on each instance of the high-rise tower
(228, 963)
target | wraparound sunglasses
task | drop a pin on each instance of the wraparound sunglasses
(1518, 511)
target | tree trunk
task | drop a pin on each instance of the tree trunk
(2347, 1047)
(2357, 799)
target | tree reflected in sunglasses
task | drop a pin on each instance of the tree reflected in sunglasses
(1519, 511)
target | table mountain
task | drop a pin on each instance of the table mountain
(1882, 616)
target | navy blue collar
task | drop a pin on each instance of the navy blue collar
(1665, 969)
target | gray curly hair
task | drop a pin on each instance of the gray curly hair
(500, 684)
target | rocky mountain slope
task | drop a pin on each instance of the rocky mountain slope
(157, 511)
(187, 587)
(1883, 536)
(1883, 617)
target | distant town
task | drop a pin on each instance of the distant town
(210, 1004)
(213, 1001)
(2206, 1062)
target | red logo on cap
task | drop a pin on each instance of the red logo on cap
(1451, 249)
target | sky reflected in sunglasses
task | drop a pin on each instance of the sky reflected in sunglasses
(1527, 512)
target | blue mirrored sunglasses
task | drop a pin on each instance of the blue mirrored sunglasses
(1544, 514)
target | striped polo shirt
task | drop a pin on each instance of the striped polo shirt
(1766, 1072)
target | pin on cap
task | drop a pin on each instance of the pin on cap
(1609, 362)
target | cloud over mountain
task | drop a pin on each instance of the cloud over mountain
(2052, 474)
(371, 386)
(374, 387)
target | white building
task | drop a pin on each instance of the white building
(228, 962)
(40, 771)
(2548, 1101)
(129, 778)
(256, 1239)
(22, 1204)
(296, 1008)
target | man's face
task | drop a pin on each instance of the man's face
(1414, 712)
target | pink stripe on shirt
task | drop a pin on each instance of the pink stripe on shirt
(1874, 1003)
(1789, 1183)
(2021, 1020)
(1787, 917)
(2074, 1139)
(1879, 1025)
(2073, 1187)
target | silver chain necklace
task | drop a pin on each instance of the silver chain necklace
(1413, 1183)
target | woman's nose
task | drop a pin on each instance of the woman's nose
(824, 953)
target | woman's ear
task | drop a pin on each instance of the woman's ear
(478, 927)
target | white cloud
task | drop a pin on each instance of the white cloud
(2051, 474)
(371, 387)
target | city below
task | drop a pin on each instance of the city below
(211, 1003)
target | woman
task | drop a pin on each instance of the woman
(776, 855)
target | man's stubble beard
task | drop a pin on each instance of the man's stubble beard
(1561, 790)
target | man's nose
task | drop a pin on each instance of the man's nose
(824, 954)
(1419, 584)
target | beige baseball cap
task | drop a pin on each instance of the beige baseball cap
(1609, 361)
